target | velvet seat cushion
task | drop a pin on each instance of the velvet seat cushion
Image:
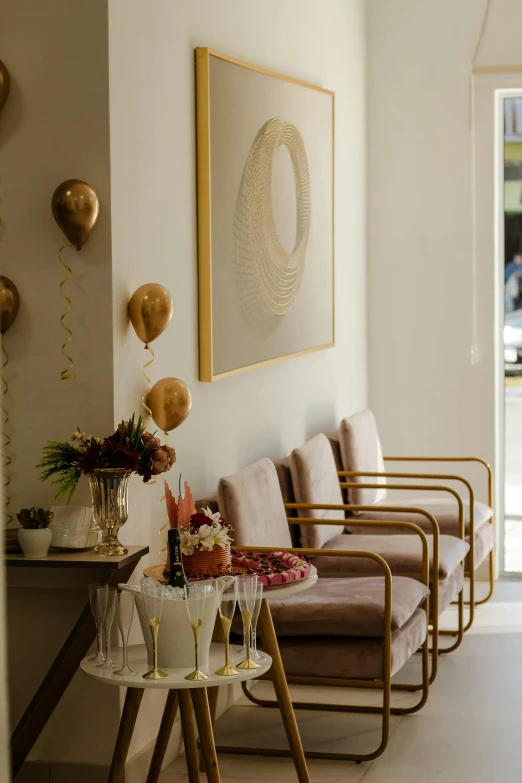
(361, 450)
(445, 511)
(346, 607)
(449, 589)
(403, 553)
(359, 658)
(315, 480)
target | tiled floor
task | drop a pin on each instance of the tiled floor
(469, 732)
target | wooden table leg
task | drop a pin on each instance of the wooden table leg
(277, 674)
(162, 740)
(128, 721)
(53, 686)
(206, 735)
(213, 694)
(189, 735)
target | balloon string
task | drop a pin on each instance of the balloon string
(149, 384)
(6, 440)
(67, 374)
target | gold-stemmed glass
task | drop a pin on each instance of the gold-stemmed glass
(247, 586)
(226, 587)
(153, 599)
(196, 597)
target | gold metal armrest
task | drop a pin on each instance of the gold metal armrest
(452, 459)
(413, 487)
(386, 523)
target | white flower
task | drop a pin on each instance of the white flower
(222, 538)
(206, 537)
(189, 542)
(208, 513)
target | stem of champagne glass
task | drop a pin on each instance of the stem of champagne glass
(226, 623)
(154, 627)
(99, 637)
(254, 639)
(196, 628)
(247, 620)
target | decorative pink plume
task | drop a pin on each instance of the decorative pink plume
(172, 507)
(186, 508)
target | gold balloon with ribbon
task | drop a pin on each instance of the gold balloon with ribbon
(170, 402)
(9, 306)
(5, 84)
(150, 310)
(75, 208)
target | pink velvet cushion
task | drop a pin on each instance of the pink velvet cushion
(354, 658)
(484, 543)
(315, 480)
(210, 501)
(346, 607)
(445, 511)
(361, 451)
(250, 501)
(402, 553)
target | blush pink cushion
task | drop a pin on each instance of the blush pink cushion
(361, 451)
(315, 480)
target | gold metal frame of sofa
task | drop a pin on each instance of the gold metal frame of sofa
(434, 592)
(434, 488)
(490, 504)
(385, 684)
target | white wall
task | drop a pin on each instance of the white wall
(426, 393)
(268, 411)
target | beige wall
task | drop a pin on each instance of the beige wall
(427, 395)
(268, 411)
(56, 126)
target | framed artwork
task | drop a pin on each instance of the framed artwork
(265, 149)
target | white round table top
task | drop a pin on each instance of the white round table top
(176, 677)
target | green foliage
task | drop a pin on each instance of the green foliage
(61, 465)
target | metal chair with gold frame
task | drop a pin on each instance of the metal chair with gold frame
(357, 443)
(381, 684)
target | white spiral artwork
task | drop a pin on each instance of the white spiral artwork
(268, 276)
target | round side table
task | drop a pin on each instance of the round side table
(187, 694)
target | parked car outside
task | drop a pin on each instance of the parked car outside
(513, 343)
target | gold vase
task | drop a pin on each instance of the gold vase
(110, 507)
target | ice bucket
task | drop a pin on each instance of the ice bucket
(175, 637)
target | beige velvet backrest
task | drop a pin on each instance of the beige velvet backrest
(315, 480)
(251, 501)
(210, 501)
(284, 475)
(361, 450)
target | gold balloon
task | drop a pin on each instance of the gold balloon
(5, 84)
(170, 402)
(9, 303)
(150, 310)
(75, 208)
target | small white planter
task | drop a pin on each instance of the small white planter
(35, 543)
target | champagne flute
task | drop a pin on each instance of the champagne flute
(196, 596)
(153, 599)
(227, 598)
(254, 654)
(109, 598)
(124, 614)
(98, 619)
(247, 585)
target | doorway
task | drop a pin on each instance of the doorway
(511, 172)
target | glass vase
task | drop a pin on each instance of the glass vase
(110, 503)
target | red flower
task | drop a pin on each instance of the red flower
(198, 520)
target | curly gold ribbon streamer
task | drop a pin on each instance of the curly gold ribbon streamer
(6, 440)
(67, 374)
(149, 382)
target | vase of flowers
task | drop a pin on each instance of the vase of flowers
(205, 545)
(108, 462)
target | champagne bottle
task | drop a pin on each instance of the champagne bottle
(177, 576)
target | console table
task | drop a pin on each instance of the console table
(109, 569)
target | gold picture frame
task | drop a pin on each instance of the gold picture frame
(207, 365)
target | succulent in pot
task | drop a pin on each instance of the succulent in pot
(34, 535)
